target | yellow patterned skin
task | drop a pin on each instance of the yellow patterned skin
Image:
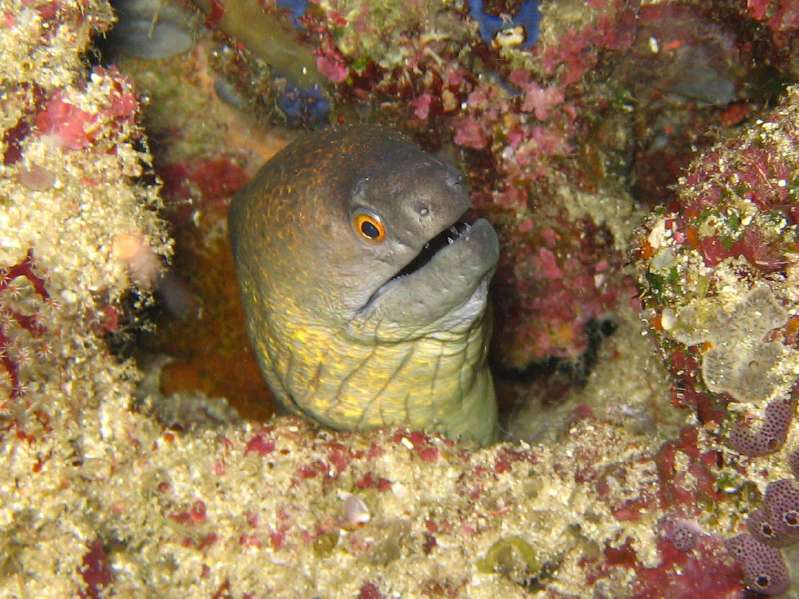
(340, 338)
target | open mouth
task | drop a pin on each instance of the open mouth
(447, 237)
(456, 231)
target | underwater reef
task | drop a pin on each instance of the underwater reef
(640, 162)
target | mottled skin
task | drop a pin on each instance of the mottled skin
(338, 340)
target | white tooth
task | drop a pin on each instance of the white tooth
(468, 227)
(449, 240)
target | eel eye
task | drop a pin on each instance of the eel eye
(369, 226)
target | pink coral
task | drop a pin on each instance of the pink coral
(330, 63)
(421, 106)
(537, 99)
(470, 133)
(74, 128)
(333, 69)
(547, 264)
(66, 122)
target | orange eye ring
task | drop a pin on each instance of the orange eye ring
(369, 227)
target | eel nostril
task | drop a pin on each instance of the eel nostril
(455, 179)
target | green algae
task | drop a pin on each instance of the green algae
(512, 557)
(325, 543)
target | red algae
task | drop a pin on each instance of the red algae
(95, 571)
(370, 591)
(705, 570)
(260, 444)
(214, 180)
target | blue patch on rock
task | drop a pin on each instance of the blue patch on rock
(304, 107)
(528, 16)
(296, 8)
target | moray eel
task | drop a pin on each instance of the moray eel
(365, 289)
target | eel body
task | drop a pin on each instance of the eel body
(365, 287)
